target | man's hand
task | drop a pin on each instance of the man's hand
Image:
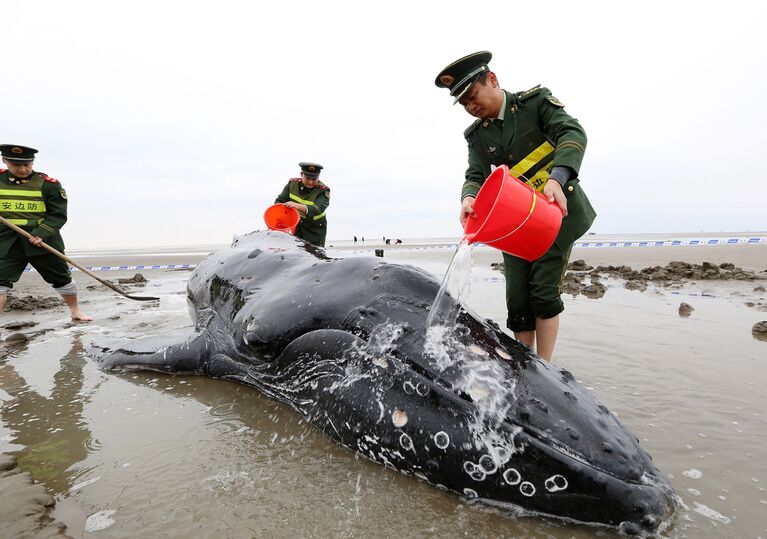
(301, 208)
(36, 241)
(553, 191)
(467, 210)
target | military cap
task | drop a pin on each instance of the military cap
(461, 74)
(310, 170)
(14, 152)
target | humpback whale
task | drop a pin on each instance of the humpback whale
(462, 406)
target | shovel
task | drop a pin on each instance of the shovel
(75, 264)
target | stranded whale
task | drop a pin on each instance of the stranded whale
(463, 407)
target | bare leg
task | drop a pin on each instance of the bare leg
(525, 337)
(77, 314)
(546, 330)
(3, 299)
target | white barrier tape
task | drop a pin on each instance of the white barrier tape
(604, 244)
(581, 244)
(671, 243)
(124, 268)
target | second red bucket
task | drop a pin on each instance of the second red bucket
(281, 217)
(513, 217)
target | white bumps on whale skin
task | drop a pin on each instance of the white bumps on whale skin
(527, 489)
(502, 353)
(399, 418)
(487, 464)
(474, 471)
(512, 477)
(556, 483)
(406, 442)
(442, 439)
(475, 349)
(381, 362)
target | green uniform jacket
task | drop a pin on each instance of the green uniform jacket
(50, 221)
(313, 226)
(537, 135)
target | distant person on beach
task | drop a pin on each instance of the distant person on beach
(311, 198)
(531, 133)
(36, 203)
(355, 240)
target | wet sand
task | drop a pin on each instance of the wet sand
(172, 456)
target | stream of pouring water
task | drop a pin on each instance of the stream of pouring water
(455, 284)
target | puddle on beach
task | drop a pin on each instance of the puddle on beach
(176, 456)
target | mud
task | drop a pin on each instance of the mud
(582, 278)
(33, 303)
(137, 279)
(685, 309)
(25, 506)
(20, 324)
(759, 331)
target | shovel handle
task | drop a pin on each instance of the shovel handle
(61, 255)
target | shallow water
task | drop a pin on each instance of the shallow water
(177, 456)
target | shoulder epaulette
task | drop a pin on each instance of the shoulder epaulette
(529, 93)
(47, 178)
(2, 170)
(295, 179)
(322, 186)
(471, 128)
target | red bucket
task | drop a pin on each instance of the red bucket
(281, 217)
(513, 217)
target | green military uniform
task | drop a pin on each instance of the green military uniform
(313, 226)
(535, 135)
(37, 204)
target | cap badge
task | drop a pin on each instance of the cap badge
(447, 80)
(312, 168)
(16, 149)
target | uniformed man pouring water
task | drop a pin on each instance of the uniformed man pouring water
(311, 198)
(531, 133)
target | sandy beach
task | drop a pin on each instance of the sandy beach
(173, 456)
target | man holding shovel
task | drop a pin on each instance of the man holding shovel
(37, 204)
(543, 146)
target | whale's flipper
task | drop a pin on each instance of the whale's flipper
(187, 355)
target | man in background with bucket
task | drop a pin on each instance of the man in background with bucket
(311, 198)
(542, 145)
(36, 203)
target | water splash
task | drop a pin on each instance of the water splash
(454, 289)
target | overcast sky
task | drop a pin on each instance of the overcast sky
(179, 122)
